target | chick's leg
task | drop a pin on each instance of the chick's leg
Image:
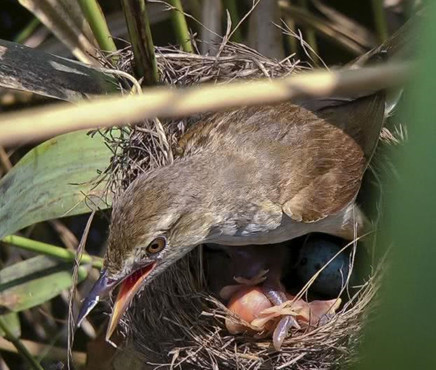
(273, 289)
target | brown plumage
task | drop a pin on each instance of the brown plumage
(251, 176)
(257, 175)
(240, 173)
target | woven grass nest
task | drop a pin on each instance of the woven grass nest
(177, 322)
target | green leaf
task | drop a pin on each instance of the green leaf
(402, 336)
(34, 281)
(54, 180)
(13, 323)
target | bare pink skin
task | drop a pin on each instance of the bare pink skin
(252, 305)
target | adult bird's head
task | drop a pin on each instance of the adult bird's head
(156, 221)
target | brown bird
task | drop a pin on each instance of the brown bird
(251, 176)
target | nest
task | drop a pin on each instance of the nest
(176, 321)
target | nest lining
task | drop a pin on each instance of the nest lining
(175, 322)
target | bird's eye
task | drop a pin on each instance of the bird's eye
(157, 245)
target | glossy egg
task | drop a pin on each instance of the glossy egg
(316, 252)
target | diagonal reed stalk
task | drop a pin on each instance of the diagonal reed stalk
(97, 21)
(170, 102)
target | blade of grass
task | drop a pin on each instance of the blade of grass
(138, 24)
(360, 33)
(22, 350)
(290, 39)
(27, 31)
(180, 26)
(51, 250)
(95, 17)
(232, 7)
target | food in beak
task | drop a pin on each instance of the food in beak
(129, 287)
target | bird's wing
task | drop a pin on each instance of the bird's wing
(361, 118)
(333, 153)
(311, 160)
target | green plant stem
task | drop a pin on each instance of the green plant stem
(27, 31)
(180, 26)
(97, 21)
(19, 346)
(138, 24)
(51, 250)
(380, 20)
(231, 6)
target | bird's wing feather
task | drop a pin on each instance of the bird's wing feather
(310, 163)
(334, 157)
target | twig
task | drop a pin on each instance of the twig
(310, 33)
(323, 27)
(108, 111)
(4, 160)
(75, 279)
(210, 31)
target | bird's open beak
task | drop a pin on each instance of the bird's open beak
(101, 287)
(129, 287)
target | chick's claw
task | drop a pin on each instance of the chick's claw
(260, 277)
(229, 290)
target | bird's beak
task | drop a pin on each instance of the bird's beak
(129, 287)
(101, 287)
